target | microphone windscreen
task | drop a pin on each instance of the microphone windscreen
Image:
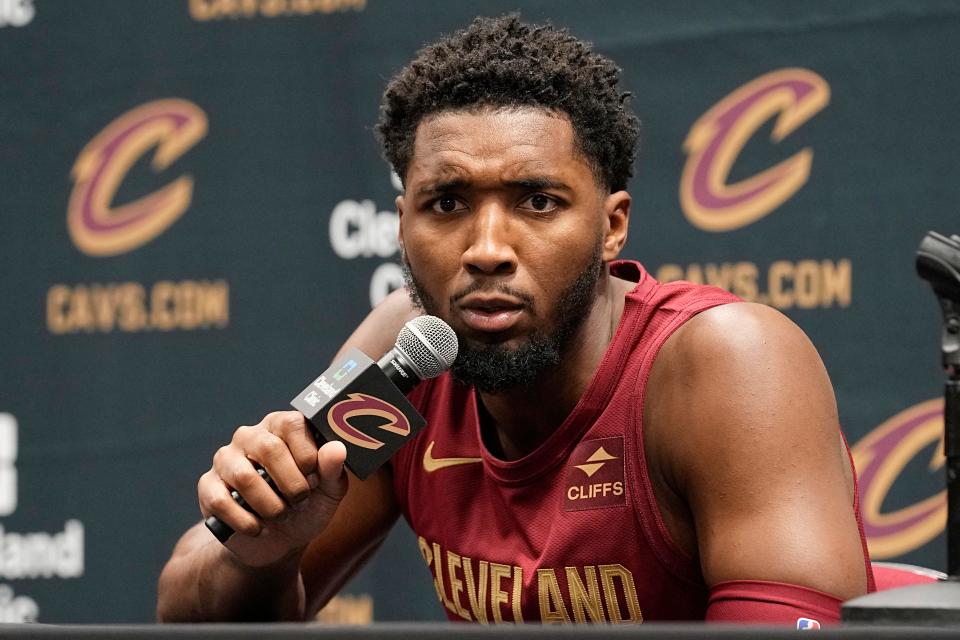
(430, 345)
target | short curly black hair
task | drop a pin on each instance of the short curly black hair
(503, 62)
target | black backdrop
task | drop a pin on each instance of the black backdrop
(142, 322)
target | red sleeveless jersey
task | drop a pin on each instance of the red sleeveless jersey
(572, 531)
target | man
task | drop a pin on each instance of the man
(606, 448)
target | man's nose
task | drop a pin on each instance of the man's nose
(490, 249)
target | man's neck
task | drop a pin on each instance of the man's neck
(520, 421)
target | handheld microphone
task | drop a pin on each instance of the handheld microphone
(363, 403)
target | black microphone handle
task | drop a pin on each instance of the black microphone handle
(396, 366)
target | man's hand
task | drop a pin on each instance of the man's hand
(312, 482)
(307, 542)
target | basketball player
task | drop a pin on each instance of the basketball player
(605, 449)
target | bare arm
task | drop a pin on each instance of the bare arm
(287, 563)
(747, 441)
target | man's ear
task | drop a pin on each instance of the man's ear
(398, 203)
(616, 209)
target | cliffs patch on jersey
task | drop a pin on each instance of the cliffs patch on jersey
(595, 475)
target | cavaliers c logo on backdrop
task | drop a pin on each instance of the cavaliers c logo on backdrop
(709, 201)
(361, 404)
(881, 457)
(96, 225)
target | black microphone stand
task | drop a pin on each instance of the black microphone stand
(938, 603)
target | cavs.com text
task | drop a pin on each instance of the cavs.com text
(132, 307)
(784, 284)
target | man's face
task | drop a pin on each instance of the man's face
(504, 232)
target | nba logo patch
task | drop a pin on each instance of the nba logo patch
(595, 475)
(805, 624)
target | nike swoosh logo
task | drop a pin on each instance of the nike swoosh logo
(431, 464)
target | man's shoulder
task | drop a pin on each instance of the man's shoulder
(726, 334)
(734, 347)
(731, 379)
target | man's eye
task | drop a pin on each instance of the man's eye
(539, 202)
(447, 204)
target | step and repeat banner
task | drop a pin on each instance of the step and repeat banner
(196, 214)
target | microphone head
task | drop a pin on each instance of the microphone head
(429, 344)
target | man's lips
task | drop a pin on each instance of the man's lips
(490, 313)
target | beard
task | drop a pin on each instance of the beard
(496, 368)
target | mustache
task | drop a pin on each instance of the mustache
(493, 287)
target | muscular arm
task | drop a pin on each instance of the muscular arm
(751, 469)
(288, 564)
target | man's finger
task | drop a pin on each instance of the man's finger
(293, 429)
(333, 478)
(215, 499)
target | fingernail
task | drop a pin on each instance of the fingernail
(314, 480)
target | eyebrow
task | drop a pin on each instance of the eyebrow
(539, 182)
(442, 187)
(535, 183)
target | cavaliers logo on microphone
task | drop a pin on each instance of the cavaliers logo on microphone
(358, 405)
(709, 201)
(881, 456)
(101, 228)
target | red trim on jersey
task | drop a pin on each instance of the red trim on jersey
(871, 581)
(669, 295)
(770, 602)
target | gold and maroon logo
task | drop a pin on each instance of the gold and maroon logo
(595, 476)
(881, 457)
(717, 138)
(100, 228)
(359, 405)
